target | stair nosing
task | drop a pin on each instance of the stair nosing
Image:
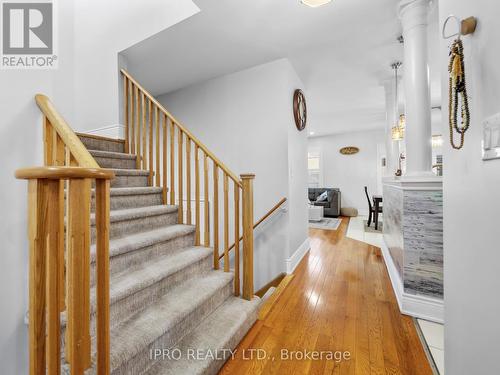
(133, 190)
(100, 137)
(111, 154)
(129, 172)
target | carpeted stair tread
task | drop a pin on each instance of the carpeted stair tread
(223, 329)
(134, 335)
(140, 240)
(112, 154)
(127, 283)
(130, 172)
(153, 270)
(93, 142)
(137, 213)
(132, 197)
(120, 191)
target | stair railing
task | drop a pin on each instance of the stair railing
(59, 233)
(260, 221)
(165, 148)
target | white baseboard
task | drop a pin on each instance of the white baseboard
(427, 308)
(294, 260)
(362, 212)
(110, 131)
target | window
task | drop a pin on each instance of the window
(314, 169)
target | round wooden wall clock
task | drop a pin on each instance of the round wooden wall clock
(299, 109)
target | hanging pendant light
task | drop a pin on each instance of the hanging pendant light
(402, 124)
(398, 129)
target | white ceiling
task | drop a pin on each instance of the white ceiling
(341, 52)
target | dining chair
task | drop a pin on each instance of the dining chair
(371, 208)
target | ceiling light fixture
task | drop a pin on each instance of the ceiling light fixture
(437, 141)
(398, 130)
(311, 133)
(315, 3)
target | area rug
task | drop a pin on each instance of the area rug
(371, 229)
(327, 223)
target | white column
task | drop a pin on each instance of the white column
(392, 147)
(413, 14)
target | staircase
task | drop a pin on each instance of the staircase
(164, 292)
(125, 248)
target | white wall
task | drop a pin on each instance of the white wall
(21, 141)
(351, 173)
(472, 204)
(102, 30)
(91, 32)
(244, 118)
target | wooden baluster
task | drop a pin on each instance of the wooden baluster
(247, 196)
(157, 119)
(164, 191)
(144, 133)
(54, 253)
(48, 136)
(197, 194)
(226, 223)
(70, 161)
(132, 118)
(61, 161)
(125, 111)
(216, 217)
(151, 163)
(37, 211)
(102, 272)
(138, 130)
(78, 333)
(236, 239)
(206, 224)
(180, 173)
(172, 162)
(188, 180)
(60, 152)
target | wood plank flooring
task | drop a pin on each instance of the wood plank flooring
(340, 300)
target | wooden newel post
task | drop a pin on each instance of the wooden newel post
(247, 214)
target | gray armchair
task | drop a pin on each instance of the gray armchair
(332, 203)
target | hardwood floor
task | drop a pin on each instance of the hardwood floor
(340, 300)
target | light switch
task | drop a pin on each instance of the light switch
(491, 137)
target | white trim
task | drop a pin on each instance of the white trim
(294, 260)
(110, 131)
(396, 282)
(427, 308)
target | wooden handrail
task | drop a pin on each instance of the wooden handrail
(64, 131)
(263, 218)
(184, 130)
(64, 173)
